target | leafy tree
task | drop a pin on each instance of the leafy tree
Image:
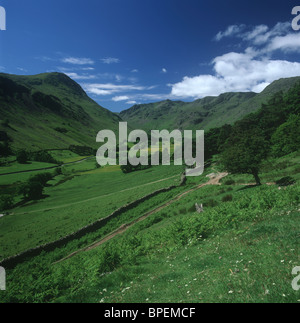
(244, 152)
(6, 202)
(42, 156)
(5, 149)
(22, 157)
(42, 178)
(286, 139)
(32, 190)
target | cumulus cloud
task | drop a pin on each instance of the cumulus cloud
(288, 43)
(250, 70)
(236, 72)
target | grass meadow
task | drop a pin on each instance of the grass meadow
(242, 248)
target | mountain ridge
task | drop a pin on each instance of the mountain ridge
(50, 110)
(206, 113)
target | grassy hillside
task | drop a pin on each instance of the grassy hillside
(241, 249)
(206, 113)
(48, 111)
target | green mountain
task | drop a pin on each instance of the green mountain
(49, 111)
(206, 113)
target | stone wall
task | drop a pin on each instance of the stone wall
(26, 255)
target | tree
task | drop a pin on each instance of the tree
(286, 139)
(6, 202)
(22, 157)
(5, 149)
(244, 152)
(32, 190)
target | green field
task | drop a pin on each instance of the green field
(242, 250)
(78, 197)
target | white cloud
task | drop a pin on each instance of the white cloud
(76, 76)
(78, 61)
(109, 88)
(120, 98)
(87, 68)
(288, 43)
(164, 70)
(110, 60)
(232, 30)
(258, 35)
(131, 102)
(250, 70)
(236, 72)
(135, 71)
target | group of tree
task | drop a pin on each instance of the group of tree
(33, 189)
(82, 150)
(274, 130)
(43, 156)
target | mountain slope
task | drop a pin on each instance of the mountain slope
(49, 111)
(205, 113)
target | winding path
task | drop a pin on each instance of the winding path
(215, 180)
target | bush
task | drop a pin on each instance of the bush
(5, 149)
(227, 198)
(32, 190)
(22, 157)
(42, 178)
(210, 203)
(6, 202)
(57, 171)
(43, 157)
(229, 182)
(286, 181)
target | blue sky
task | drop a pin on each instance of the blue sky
(124, 52)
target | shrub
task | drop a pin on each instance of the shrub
(183, 211)
(57, 171)
(229, 182)
(6, 202)
(42, 156)
(42, 178)
(32, 190)
(227, 198)
(22, 157)
(210, 203)
(286, 181)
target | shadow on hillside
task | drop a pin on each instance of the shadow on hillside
(247, 187)
(26, 202)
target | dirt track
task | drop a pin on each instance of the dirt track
(215, 180)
